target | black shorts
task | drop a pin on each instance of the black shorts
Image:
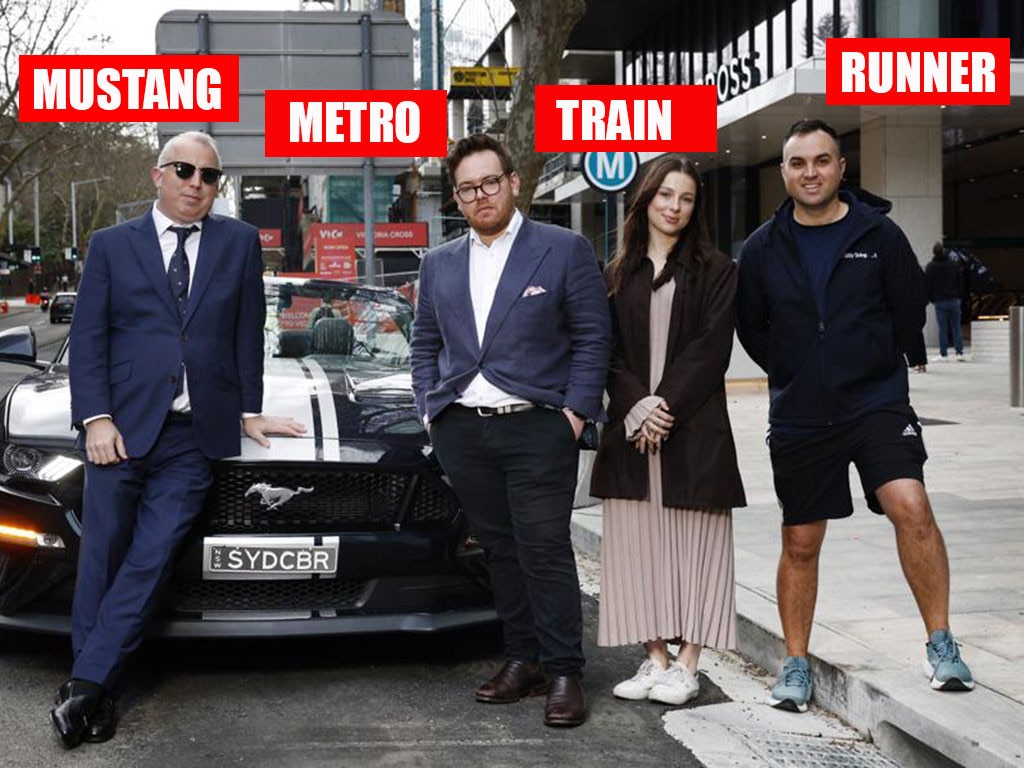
(812, 471)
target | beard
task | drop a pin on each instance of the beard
(493, 220)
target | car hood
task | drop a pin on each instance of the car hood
(355, 412)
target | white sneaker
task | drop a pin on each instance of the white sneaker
(940, 359)
(678, 686)
(960, 357)
(639, 685)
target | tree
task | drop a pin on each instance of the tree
(60, 153)
(27, 27)
(823, 31)
(546, 26)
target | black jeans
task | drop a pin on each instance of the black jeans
(515, 476)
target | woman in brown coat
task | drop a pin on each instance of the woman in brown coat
(666, 466)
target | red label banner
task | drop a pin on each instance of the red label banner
(356, 124)
(121, 89)
(336, 260)
(621, 118)
(917, 71)
(411, 234)
(270, 238)
(336, 243)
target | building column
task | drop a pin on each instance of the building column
(901, 160)
(457, 124)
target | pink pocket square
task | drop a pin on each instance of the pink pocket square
(534, 290)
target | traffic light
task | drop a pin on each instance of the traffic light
(37, 254)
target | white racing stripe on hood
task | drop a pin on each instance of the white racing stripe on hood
(288, 392)
(328, 413)
(38, 411)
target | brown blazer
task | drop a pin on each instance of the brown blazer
(698, 458)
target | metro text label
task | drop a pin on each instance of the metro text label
(356, 124)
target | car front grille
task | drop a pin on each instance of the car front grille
(340, 500)
(281, 595)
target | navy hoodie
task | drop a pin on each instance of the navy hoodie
(834, 366)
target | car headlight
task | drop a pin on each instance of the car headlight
(23, 461)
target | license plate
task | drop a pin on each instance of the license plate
(269, 557)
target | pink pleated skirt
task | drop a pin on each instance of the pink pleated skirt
(666, 572)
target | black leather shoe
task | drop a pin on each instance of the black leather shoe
(103, 723)
(566, 706)
(76, 701)
(516, 680)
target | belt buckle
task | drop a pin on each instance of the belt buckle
(481, 412)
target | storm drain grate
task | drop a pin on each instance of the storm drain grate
(792, 751)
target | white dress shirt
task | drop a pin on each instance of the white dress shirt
(486, 263)
(168, 244)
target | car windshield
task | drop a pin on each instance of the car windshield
(337, 323)
(62, 300)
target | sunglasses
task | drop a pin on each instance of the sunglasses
(186, 171)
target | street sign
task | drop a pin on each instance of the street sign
(482, 82)
(610, 171)
(289, 50)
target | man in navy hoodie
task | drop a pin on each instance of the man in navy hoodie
(831, 305)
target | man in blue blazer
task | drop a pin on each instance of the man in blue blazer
(509, 354)
(166, 357)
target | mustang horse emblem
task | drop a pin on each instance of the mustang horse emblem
(271, 497)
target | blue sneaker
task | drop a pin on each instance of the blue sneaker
(793, 690)
(943, 664)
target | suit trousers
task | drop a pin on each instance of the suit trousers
(134, 516)
(515, 476)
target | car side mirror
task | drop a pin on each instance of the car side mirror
(18, 346)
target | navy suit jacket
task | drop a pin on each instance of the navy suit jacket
(549, 344)
(128, 340)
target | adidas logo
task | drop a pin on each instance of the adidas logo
(908, 431)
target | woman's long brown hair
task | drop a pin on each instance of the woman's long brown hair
(693, 246)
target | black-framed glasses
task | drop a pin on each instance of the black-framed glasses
(467, 193)
(186, 171)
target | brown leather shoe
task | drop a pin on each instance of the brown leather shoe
(516, 680)
(566, 705)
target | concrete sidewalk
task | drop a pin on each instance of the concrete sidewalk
(868, 640)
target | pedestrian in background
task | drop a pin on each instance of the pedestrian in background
(666, 466)
(944, 284)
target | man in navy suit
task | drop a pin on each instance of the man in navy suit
(509, 353)
(166, 357)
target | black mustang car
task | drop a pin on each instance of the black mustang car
(349, 529)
